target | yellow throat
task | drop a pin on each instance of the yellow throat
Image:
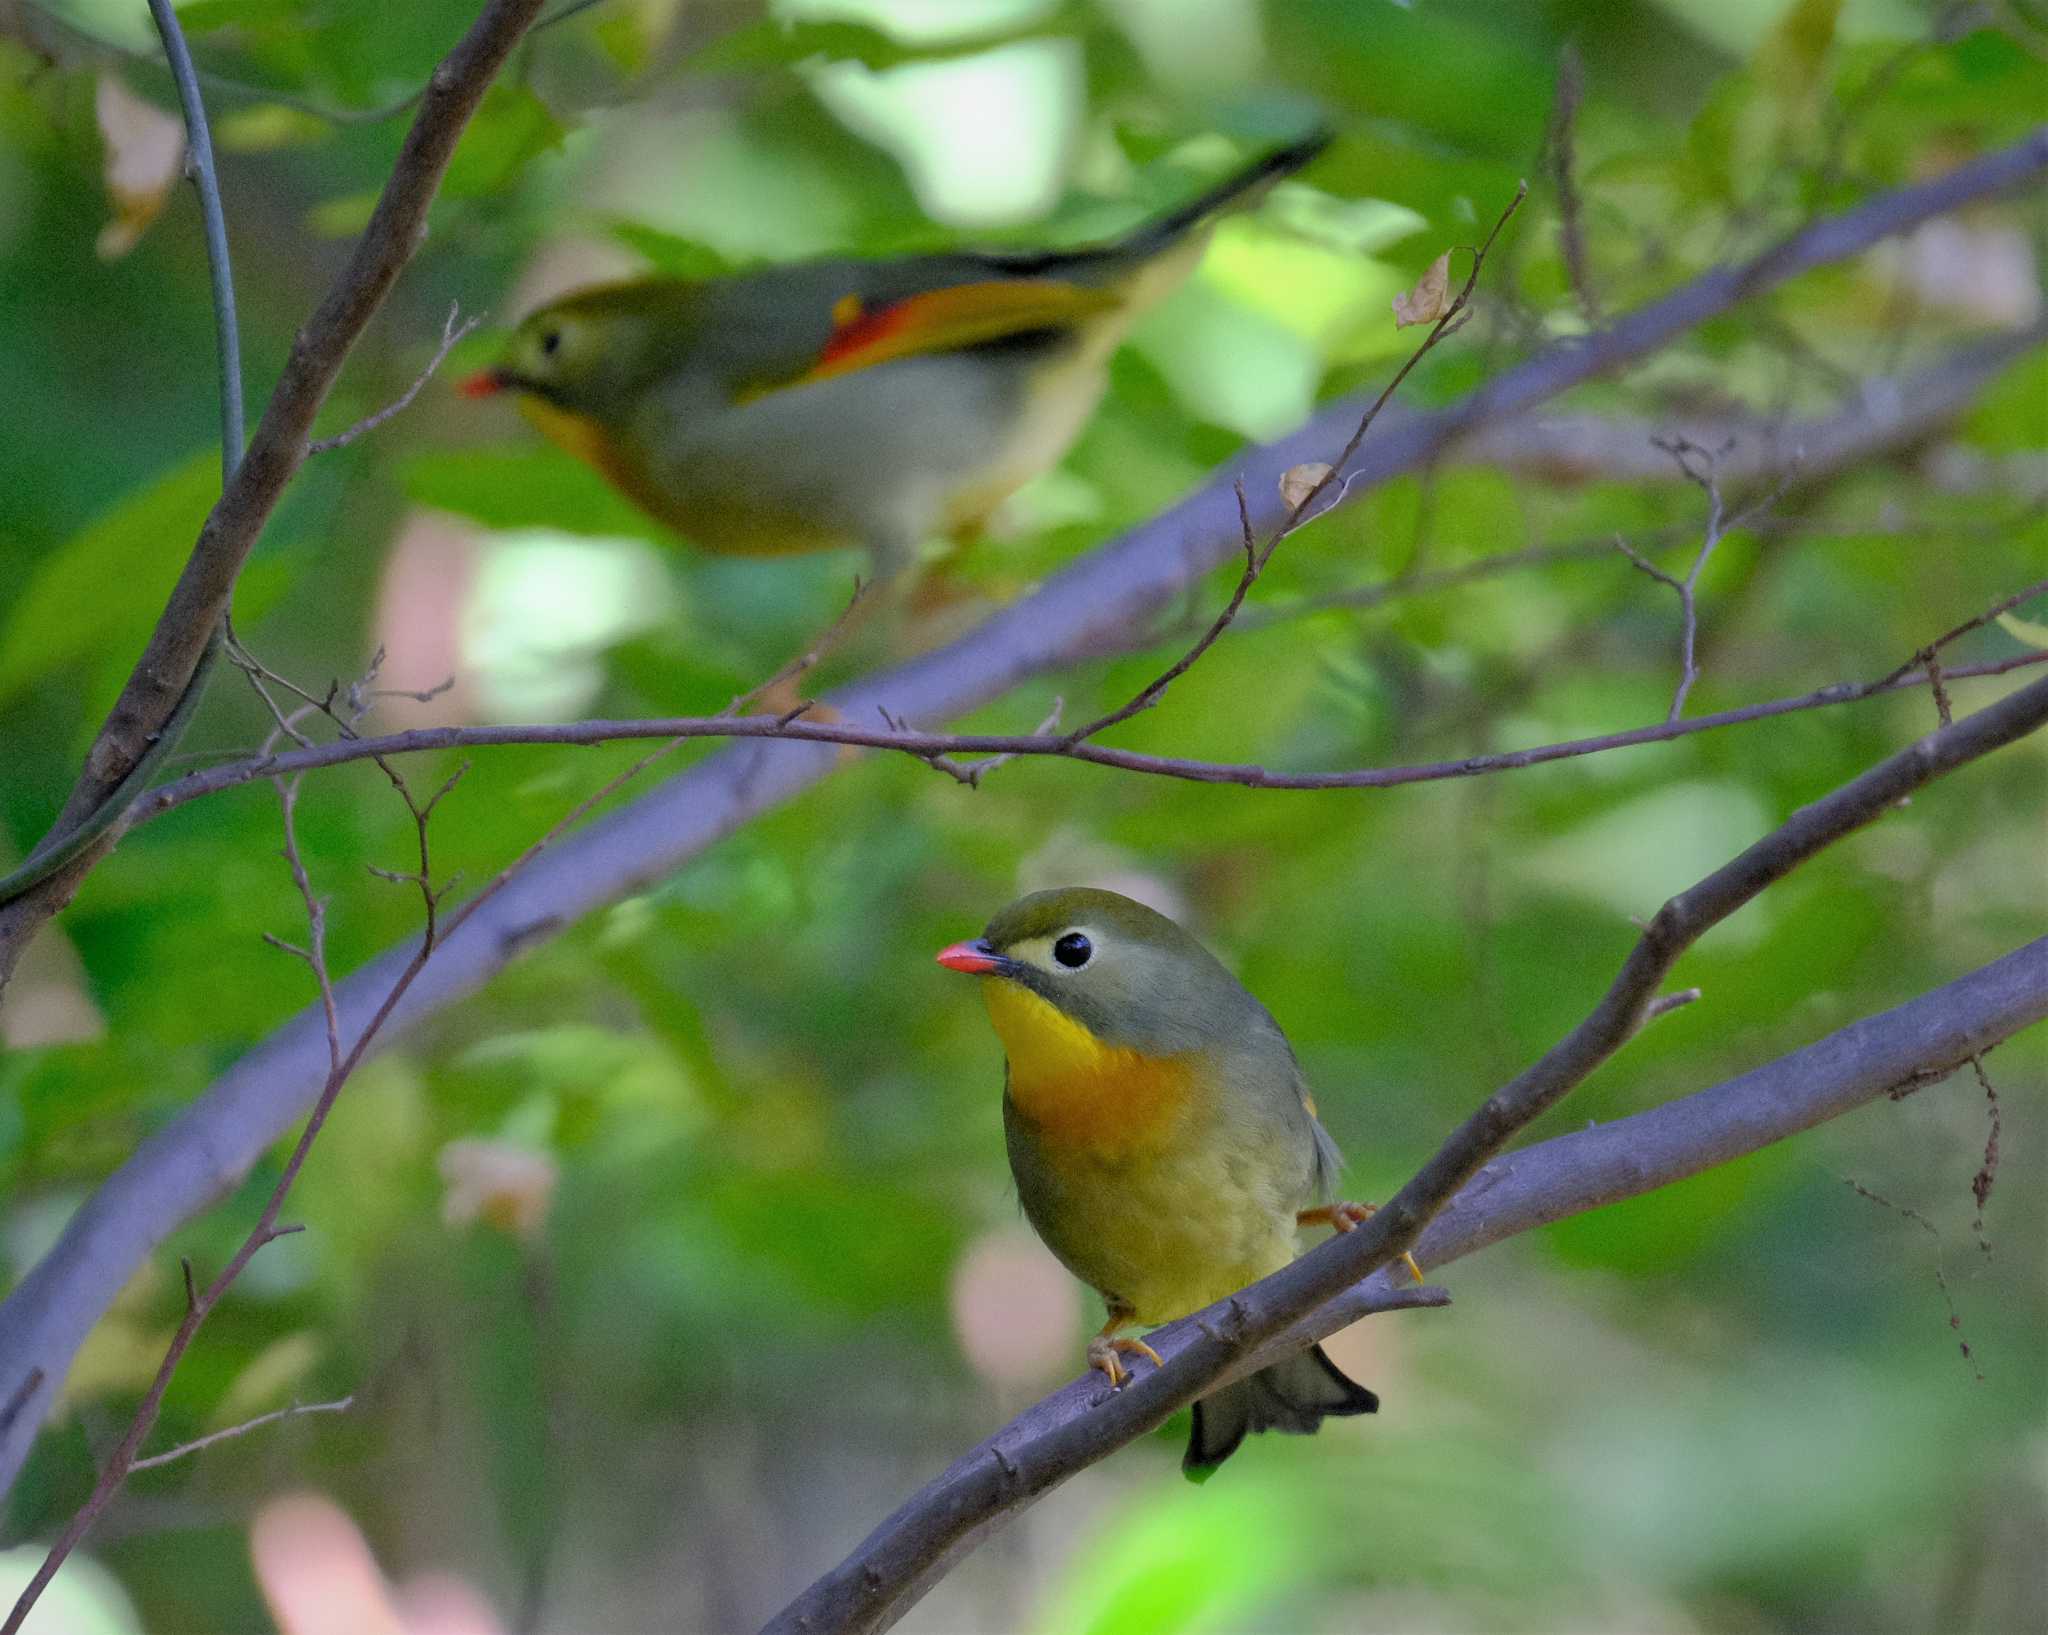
(1075, 1090)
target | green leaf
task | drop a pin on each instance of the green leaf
(267, 127)
(672, 254)
(1186, 1560)
(202, 16)
(512, 127)
(777, 43)
(524, 488)
(341, 218)
(102, 589)
(1792, 55)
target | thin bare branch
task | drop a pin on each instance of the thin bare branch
(808, 660)
(2004, 604)
(1700, 466)
(342, 1062)
(1948, 1299)
(1560, 149)
(1987, 1171)
(340, 1405)
(924, 746)
(451, 333)
(315, 951)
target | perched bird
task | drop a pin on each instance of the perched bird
(1164, 1144)
(833, 403)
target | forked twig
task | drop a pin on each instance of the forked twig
(1700, 466)
(452, 332)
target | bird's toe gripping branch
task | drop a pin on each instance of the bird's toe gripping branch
(1345, 1216)
(1104, 1349)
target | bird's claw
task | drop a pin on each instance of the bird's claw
(1102, 1355)
(1344, 1217)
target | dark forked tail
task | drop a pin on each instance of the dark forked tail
(1156, 234)
(1151, 238)
(1294, 1396)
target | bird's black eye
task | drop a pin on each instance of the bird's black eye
(550, 342)
(1073, 950)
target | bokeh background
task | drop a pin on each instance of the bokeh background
(665, 1266)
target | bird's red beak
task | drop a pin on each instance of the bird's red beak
(484, 383)
(975, 958)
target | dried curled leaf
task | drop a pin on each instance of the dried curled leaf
(1298, 482)
(145, 151)
(1430, 299)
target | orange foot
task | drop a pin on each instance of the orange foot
(1104, 1348)
(1344, 1217)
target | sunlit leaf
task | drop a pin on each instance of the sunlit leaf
(103, 588)
(512, 127)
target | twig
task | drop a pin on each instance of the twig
(1987, 1171)
(1665, 1004)
(1256, 556)
(908, 1551)
(2004, 605)
(1558, 145)
(924, 746)
(971, 773)
(451, 334)
(214, 222)
(808, 660)
(1948, 1299)
(315, 951)
(1930, 664)
(340, 1405)
(1255, 561)
(1700, 466)
(260, 679)
(345, 708)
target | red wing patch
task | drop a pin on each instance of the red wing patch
(949, 319)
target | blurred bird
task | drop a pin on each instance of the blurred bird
(1164, 1144)
(834, 403)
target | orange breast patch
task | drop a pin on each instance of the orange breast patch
(1077, 1092)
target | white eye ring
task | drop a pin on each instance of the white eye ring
(1073, 950)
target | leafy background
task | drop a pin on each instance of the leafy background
(759, 1268)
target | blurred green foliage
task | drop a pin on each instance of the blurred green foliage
(732, 1342)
